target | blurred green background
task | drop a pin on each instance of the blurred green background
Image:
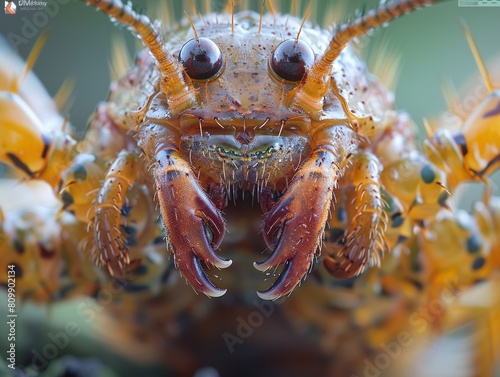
(431, 43)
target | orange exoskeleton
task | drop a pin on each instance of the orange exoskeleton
(241, 108)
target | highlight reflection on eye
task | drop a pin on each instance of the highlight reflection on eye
(291, 59)
(202, 59)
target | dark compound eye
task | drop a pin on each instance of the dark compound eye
(291, 59)
(202, 58)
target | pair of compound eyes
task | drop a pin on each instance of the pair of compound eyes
(202, 59)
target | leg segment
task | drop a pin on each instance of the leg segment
(111, 245)
(366, 221)
(295, 225)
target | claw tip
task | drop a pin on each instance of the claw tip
(226, 263)
(259, 266)
(217, 293)
(265, 295)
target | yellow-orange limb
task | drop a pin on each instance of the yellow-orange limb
(445, 152)
(366, 221)
(474, 152)
(79, 183)
(460, 255)
(111, 245)
(487, 216)
(23, 145)
(454, 253)
(420, 186)
(33, 139)
(476, 148)
(481, 138)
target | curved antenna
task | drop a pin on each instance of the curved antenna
(309, 94)
(174, 83)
